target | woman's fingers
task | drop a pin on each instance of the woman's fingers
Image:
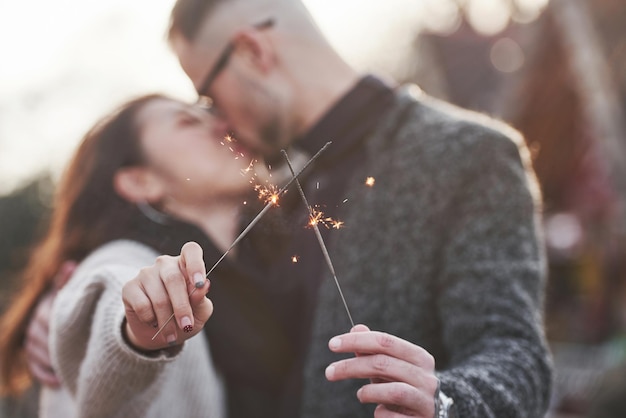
(192, 264)
(148, 306)
(166, 288)
(176, 298)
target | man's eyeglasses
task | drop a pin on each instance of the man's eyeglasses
(220, 64)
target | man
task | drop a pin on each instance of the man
(440, 252)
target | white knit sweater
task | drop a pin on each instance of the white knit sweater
(102, 376)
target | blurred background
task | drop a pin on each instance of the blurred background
(553, 69)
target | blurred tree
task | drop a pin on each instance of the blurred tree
(23, 216)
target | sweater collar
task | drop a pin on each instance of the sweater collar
(350, 119)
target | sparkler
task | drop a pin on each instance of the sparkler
(271, 202)
(314, 223)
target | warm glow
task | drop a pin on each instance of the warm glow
(370, 181)
(249, 168)
(488, 16)
(337, 224)
(318, 217)
(315, 217)
(268, 194)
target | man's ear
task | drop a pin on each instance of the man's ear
(137, 184)
(256, 48)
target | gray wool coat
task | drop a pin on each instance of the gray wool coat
(444, 251)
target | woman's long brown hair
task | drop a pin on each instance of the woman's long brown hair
(87, 213)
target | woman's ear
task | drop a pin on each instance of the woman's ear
(137, 184)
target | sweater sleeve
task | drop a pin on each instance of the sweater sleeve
(490, 299)
(104, 375)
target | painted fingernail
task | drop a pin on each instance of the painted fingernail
(334, 343)
(171, 340)
(330, 372)
(198, 280)
(186, 323)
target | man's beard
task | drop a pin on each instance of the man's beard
(270, 135)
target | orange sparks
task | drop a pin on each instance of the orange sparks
(370, 181)
(318, 217)
(337, 224)
(269, 194)
(295, 259)
(248, 169)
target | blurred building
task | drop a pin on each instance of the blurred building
(561, 81)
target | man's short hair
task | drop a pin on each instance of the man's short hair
(188, 16)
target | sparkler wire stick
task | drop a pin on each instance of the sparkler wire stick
(253, 222)
(319, 238)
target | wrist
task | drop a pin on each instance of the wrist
(129, 338)
(444, 405)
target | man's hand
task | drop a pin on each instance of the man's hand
(402, 374)
(172, 285)
(36, 344)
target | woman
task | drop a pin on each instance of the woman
(145, 180)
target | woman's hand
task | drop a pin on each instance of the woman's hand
(163, 289)
(402, 374)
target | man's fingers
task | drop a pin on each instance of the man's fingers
(398, 398)
(374, 342)
(192, 264)
(38, 356)
(387, 411)
(377, 366)
(64, 274)
(359, 328)
(36, 343)
(41, 317)
(44, 375)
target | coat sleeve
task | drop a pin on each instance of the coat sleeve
(105, 377)
(490, 301)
